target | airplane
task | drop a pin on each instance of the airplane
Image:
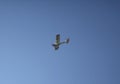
(58, 43)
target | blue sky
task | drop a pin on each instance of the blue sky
(28, 28)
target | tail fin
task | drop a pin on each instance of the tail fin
(67, 40)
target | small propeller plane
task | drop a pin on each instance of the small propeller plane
(58, 43)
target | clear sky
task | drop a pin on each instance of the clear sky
(28, 28)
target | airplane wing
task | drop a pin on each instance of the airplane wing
(58, 38)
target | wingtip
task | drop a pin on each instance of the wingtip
(58, 34)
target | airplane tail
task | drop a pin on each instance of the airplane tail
(67, 40)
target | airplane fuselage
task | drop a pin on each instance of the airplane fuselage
(56, 45)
